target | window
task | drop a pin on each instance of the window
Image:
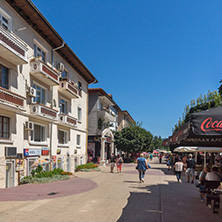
(80, 88)
(78, 142)
(5, 20)
(79, 114)
(64, 74)
(63, 137)
(39, 52)
(40, 95)
(38, 134)
(63, 106)
(4, 127)
(4, 77)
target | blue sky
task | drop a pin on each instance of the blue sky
(154, 56)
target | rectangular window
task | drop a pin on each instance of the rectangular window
(63, 106)
(4, 19)
(78, 142)
(79, 114)
(4, 77)
(40, 95)
(64, 74)
(38, 134)
(4, 127)
(80, 88)
(63, 137)
(39, 52)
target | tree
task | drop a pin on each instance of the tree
(133, 139)
(156, 143)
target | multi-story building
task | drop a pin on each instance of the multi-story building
(103, 120)
(124, 119)
(43, 95)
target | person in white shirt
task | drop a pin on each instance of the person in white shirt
(213, 175)
(178, 169)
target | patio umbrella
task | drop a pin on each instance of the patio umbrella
(155, 152)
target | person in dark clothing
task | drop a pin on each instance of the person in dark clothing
(112, 163)
(190, 168)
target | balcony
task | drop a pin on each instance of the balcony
(67, 120)
(43, 112)
(68, 89)
(106, 115)
(12, 100)
(44, 72)
(12, 48)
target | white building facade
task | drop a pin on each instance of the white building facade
(43, 96)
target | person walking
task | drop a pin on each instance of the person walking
(178, 169)
(160, 158)
(151, 156)
(119, 162)
(141, 167)
(190, 168)
(112, 162)
(170, 162)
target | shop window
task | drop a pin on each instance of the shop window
(39, 52)
(4, 127)
(63, 106)
(79, 114)
(63, 137)
(38, 134)
(4, 72)
(40, 94)
(78, 141)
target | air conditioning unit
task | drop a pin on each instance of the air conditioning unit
(32, 92)
(10, 151)
(29, 125)
(61, 67)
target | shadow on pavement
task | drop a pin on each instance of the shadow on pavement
(166, 202)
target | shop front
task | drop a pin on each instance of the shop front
(31, 156)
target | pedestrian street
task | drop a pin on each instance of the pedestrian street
(109, 197)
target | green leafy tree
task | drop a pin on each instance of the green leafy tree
(133, 139)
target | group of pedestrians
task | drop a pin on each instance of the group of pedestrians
(118, 161)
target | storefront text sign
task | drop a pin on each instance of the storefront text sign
(45, 151)
(32, 152)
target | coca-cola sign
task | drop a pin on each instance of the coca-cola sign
(211, 125)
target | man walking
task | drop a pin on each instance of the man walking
(190, 168)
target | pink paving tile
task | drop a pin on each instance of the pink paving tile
(41, 191)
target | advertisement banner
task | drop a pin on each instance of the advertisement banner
(19, 165)
(45, 151)
(32, 152)
(53, 162)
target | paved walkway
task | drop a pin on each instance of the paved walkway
(117, 197)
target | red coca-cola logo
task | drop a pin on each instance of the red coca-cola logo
(211, 125)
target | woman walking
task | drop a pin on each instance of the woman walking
(141, 167)
(119, 162)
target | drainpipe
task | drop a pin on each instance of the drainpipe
(51, 124)
(53, 50)
(87, 118)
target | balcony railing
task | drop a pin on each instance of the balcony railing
(68, 89)
(12, 48)
(43, 111)
(11, 99)
(67, 120)
(44, 72)
(105, 114)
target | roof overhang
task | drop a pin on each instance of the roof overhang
(28, 11)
